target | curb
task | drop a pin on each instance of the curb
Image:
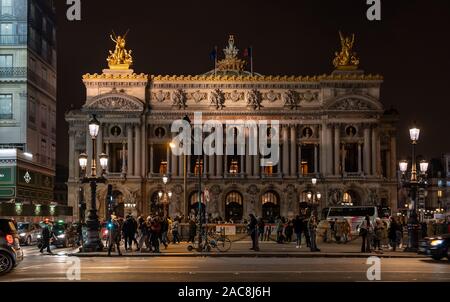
(247, 255)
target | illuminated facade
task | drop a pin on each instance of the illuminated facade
(332, 127)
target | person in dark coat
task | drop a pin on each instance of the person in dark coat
(114, 235)
(261, 228)
(298, 230)
(253, 230)
(128, 232)
(392, 233)
(46, 235)
(306, 232)
(164, 231)
(288, 231)
(192, 231)
(156, 233)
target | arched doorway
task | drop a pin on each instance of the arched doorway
(156, 207)
(270, 206)
(118, 203)
(351, 197)
(234, 206)
(193, 204)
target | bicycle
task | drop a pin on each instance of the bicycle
(218, 241)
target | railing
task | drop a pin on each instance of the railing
(13, 40)
(13, 72)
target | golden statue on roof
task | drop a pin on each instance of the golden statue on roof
(121, 58)
(346, 59)
(231, 61)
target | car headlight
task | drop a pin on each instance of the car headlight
(62, 236)
(39, 236)
(437, 242)
(22, 234)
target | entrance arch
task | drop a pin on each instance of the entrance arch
(156, 208)
(270, 206)
(352, 197)
(118, 200)
(234, 206)
(193, 203)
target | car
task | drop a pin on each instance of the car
(11, 253)
(65, 235)
(436, 247)
(29, 233)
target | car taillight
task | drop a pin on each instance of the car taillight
(9, 239)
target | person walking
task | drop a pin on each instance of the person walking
(378, 235)
(164, 231)
(127, 231)
(306, 232)
(192, 230)
(114, 235)
(346, 230)
(365, 231)
(280, 227)
(47, 236)
(268, 232)
(298, 229)
(312, 228)
(288, 231)
(392, 234)
(156, 233)
(253, 230)
(261, 229)
(175, 231)
(338, 230)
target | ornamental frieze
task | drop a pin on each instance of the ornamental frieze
(271, 96)
(179, 99)
(254, 100)
(235, 96)
(161, 96)
(217, 99)
(291, 99)
(115, 102)
(197, 96)
(352, 104)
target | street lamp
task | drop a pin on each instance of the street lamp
(414, 184)
(93, 243)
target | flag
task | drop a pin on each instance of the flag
(248, 52)
(213, 54)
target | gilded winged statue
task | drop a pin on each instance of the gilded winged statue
(120, 58)
(346, 58)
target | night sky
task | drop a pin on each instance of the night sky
(410, 47)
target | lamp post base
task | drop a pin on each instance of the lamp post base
(93, 242)
(413, 236)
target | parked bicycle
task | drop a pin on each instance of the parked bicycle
(212, 239)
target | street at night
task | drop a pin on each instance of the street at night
(39, 268)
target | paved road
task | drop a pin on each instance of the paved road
(37, 267)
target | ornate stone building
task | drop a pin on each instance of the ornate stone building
(332, 127)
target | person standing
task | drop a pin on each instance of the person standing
(192, 230)
(366, 230)
(378, 235)
(156, 233)
(175, 231)
(298, 229)
(288, 231)
(127, 231)
(261, 229)
(392, 234)
(114, 235)
(164, 231)
(46, 235)
(253, 230)
(312, 228)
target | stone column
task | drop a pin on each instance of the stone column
(256, 166)
(367, 150)
(329, 149)
(219, 166)
(205, 164)
(323, 157)
(211, 165)
(181, 165)
(144, 149)
(173, 163)
(374, 150)
(299, 162)
(393, 158)
(337, 144)
(248, 158)
(72, 160)
(359, 158)
(242, 165)
(152, 168)
(137, 152)
(285, 158)
(316, 159)
(294, 161)
(77, 165)
(343, 159)
(99, 146)
(130, 163)
(124, 166)
(88, 152)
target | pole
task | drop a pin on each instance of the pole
(413, 227)
(199, 204)
(185, 208)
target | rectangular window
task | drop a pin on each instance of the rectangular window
(6, 61)
(6, 108)
(53, 121)
(6, 33)
(32, 112)
(44, 116)
(7, 8)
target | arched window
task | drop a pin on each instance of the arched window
(234, 206)
(270, 206)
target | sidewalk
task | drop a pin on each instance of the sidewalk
(267, 249)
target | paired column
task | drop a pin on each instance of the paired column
(316, 159)
(248, 158)
(211, 165)
(99, 147)
(124, 167)
(337, 144)
(173, 163)
(137, 152)
(323, 157)
(152, 168)
(294, 161)
(329, 149)
(343, 159)
(130, 154)
(374, 150)
(285, 158)
(367, 150)
(359, 158)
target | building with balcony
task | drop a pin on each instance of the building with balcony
(28, 88)
(332, 127)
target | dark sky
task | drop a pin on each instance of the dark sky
(410, 47)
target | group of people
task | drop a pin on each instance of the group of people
(150, 232)
(300, 226)
(377, 235)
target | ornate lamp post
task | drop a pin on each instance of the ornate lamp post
(314, 196)
(93, 242)
(164, 197)
(414, 183)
